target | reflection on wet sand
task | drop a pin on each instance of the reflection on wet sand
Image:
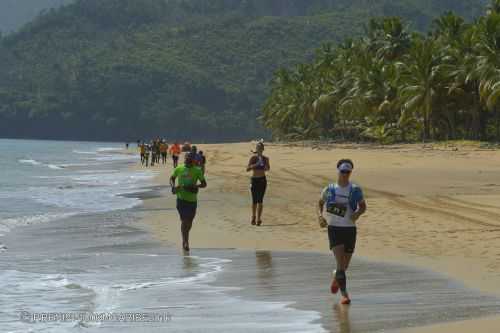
(341, 318)
(264, 269)
(189, 263)
(264, 262)
(385, 296)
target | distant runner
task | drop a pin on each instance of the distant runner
(146, 154)
(258, 164)
(188, 176)
(142, 148)
(175, 150)
(163, 151)
(340, 206)
(157, 147)
(196, 156)
(203, 161)
(152, 148)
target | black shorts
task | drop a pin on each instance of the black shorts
(342, 236)
(175, 157)
(186, 209)
(258, 189)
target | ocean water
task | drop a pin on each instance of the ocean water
(71, 244)
(47, 180)
(74, 257)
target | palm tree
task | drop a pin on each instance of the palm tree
(488, 62)
(421, 77)
(450, 26)
(460, 98)
(388, 37)
(493, 7)
(391, 85)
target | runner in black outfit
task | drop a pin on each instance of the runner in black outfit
(258, 164)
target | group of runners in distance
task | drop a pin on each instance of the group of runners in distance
(157, 151)
(340, 205)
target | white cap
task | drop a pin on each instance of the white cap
(345, 167)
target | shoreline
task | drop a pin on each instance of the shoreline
(289, 224)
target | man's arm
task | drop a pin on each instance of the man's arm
(321, 219)
(203, 183)
(361, 210)
(321, 204)
(172, 181)
(172, 184)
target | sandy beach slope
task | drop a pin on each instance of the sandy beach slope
(436, 207)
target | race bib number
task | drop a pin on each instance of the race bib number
(337, 209)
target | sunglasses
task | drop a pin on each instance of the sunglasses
(345, 172)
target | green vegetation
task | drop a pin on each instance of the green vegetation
(199, 69)
(392, 85)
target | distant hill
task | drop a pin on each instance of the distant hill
(198, 69)
(15, 13)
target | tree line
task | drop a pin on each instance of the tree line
(182, 69)
(394, 85)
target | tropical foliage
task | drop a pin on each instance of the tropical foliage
(199, 69)
(395, 85)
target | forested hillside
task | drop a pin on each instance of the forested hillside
(198, 69)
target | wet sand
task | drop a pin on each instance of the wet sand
(387, 296)
(436, 208)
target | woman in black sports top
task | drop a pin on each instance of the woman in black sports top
(258, 164)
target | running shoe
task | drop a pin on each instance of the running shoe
(334, 287)
(345, 300)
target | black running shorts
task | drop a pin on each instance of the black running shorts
(258, 189)
(342, 236)
(186, 209)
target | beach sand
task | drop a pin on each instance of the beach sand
(435, 207)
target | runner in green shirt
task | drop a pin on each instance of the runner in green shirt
(189, 179)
